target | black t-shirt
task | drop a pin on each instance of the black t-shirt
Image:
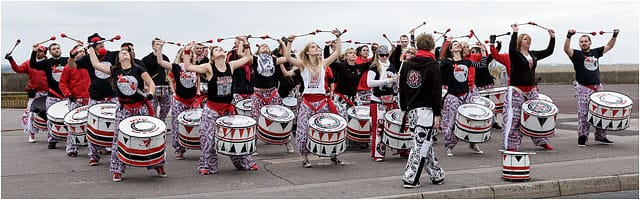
(52, 68)
(100, 87)
(383, 90)
(348, 77)
(240, 83)
(455, 75)
(220, 85)
(156, 71)
(203, 77)
(185, 81)
(267, 72)
(586, 66)
(129, 83)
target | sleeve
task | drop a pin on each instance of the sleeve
(327, 51)
(444, 65)
(371, 79)
(547, 52)
(402, 87)
(443, 49)
(35, 64)
(65, 81)
(437, 91)
(23, 68)
(598, 52)
(394, 59)
(513, 44)
(328, 74)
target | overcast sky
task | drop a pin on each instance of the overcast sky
(139, 22)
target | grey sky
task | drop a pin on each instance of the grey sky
(139, 22)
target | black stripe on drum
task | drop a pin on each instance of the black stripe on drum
(473, 132)
(360, 136)
(98, 137)
(324, 143)
(538, 133)
(610, 118)
(516, 172)
(140, 158)
(187, 142)
(271, 137)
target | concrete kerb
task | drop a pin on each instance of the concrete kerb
(541, 189)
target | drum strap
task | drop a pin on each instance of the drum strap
(185, 101)
(54, 93)
(274, 92)
(221, 108)
(133, 107)
(592, 87)
(307, 99)
(199, 101)
(345, 99)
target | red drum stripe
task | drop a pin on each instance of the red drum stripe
(138, 151)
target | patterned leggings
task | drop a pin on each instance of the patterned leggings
(94, 149)
(422, 155)
(511, 118)
(304, 113)
(582, 95)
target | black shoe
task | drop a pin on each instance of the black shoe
(337, 161)
(605, 141)
(52, 145)
(434, 138)
(496, 126)
(582, 140)
(438, 182)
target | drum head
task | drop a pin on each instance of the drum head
(493, 91)
(39, 104)
(77, 115)
(394, 116)
(142, 126)
(235, 121)
(190, 117)
(244, 104)
(277, 113)
(289, 101)
(327, 122)
(540, 108)
(611, 99)
(58, 110)
(484, 101)
(475, 111)
(359, 112)
(104, 110)
(544, 97)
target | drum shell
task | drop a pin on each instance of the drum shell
(359, 124)
(39, 105)
(391, 135)
(327, 142)
(189, 129)
(483, 101)
(77, 126)
(244, 107)
(609, 116)
(538, 121)
(274, 130)
(473, 128)
(39, 122)
(236, 139)
(516, 166)
(141, 148)
(55, 120)
(497, 95)
(100, 124)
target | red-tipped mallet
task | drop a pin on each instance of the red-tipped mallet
(52, 38)
(423, 23)
(442, 34)
(508, 33)
(474, 35)
(307, 34)
(603, 32)
(385, 37)
(66, 36)
(14, 46)
(588, 33)
(367, 43)
(208, 41)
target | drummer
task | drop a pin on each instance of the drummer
(74, 84)
(585, 63)
(313, 71)
(129, 80)
(219, 74)
(186, 93)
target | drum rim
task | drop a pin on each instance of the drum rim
(351, 111)
(64, 105)
(240, 104)
(180, 117)
(487, 100)
(100, 115)
(553, 106)
(287, 110)
(250, 119)
(295, 101)
(389, 113)
(484, 108)
(495, 89)
(611, 91)
(342, 126)
(68, 118)
(126, 125)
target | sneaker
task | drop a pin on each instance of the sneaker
(547, 146)
(434, 138)
(255, 154)
(52, 145)
(582, 141)
(438, 182)
(476, 148)
(116, 177)
(406, 185)
(161, 171)
(32, 138)
(254, 167)
(449, 152)
(179, 156)
(378, 159)
(496, 126)
(72, 154)
(290, 148)
(338, 161)
(93, 162)
(204, 172)
(306, 164)
(605, 141)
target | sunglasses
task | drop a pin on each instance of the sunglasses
(411, 52)
(383, 55)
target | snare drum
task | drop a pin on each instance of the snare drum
(244, 107)
(516, 165)
(100, 124)
(141, 141)
(538, 118)
(39, 112)
(359, 125)
(55, 120)
(391, 135)
(274, 124)
(327, 135)
(76, 121)
(497, 96)
(473, 123)
(483, 101)
(236, 135)
(292, 104)
(609, 110)
(544, 97)
(189, 128)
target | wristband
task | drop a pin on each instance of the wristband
(569, 35)
(615, 34)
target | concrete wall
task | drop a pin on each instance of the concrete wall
(12, 82)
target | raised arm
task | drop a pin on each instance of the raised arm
(149, 83)
(513, 44)
(287, 52)
(246, 51)
(158, 53)
(338, 50)
(547, 52)
(204, 68)
(96, 63)
(567, 43)
(612, 41)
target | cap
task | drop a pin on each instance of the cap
(42, 48)
(94, 38)
(382, 49)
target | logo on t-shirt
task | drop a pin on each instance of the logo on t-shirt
(591, 63)
(414, 79)
(102, 75)
(127, 85)
(315, 81)
(224, 85)
(460, 72)
(265, 66)
(56, 72)
(187, 79)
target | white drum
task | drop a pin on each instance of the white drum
(244, 107)
(39, 112)
(236, 135)
(516, 165)
(292, 104)
(538, 118)
(327, 135)
(55, 120)
(609, 110)
(359, 125)
(483, 101)
(189, 128)
(274, 124)
(473, 123)
(76, 121)
(100, 124)
(391, 135)
(141, 141)
(497, 95)
(363, 99)
(544, 97)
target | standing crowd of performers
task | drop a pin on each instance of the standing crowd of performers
(409, 76)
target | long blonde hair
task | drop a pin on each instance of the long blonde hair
(307, 61)
(521, 37)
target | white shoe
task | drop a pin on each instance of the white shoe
(255, 154)
(32, 138)
(290, 148)
(475, 148)
(449, 152)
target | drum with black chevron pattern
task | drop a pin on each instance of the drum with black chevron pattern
(516, 165)
(538, 118)
(141, 141)
(100, 124)
(55, 120)
(392, 127)
(76, 121)
(327, 135)
(275, 124)
(189, 128)
(236, 135)
(609, 110)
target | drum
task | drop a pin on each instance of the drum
(483, 101)
(497, 96)
(327, 135)
(38, 111)
(55, 120)
(292, 104)
(100, 124)
(244, 107)
(274, 124)
(544, 97)
(189, 128)
(236, 135)
(141, 141)
(516, 165)
(76, 121)
(538, 118)
(609, 110)
(391, 135)
(473, 123)
(359, 124)
(363, 99)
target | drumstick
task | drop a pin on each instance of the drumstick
(50, 39)
(474, 35)
(592, 33)
(14, 46)
(423, 23)
(66, 36)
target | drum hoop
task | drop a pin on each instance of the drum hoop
(181, 120)
(68, 118)
(630, 101)
(219, 121)
(342, 123)
(60, 106)
(352, 114)
(96, 110)
(554, 108)
(462, 112)
(126, 128)
(289, 117)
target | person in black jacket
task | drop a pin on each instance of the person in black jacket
(420, 99)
